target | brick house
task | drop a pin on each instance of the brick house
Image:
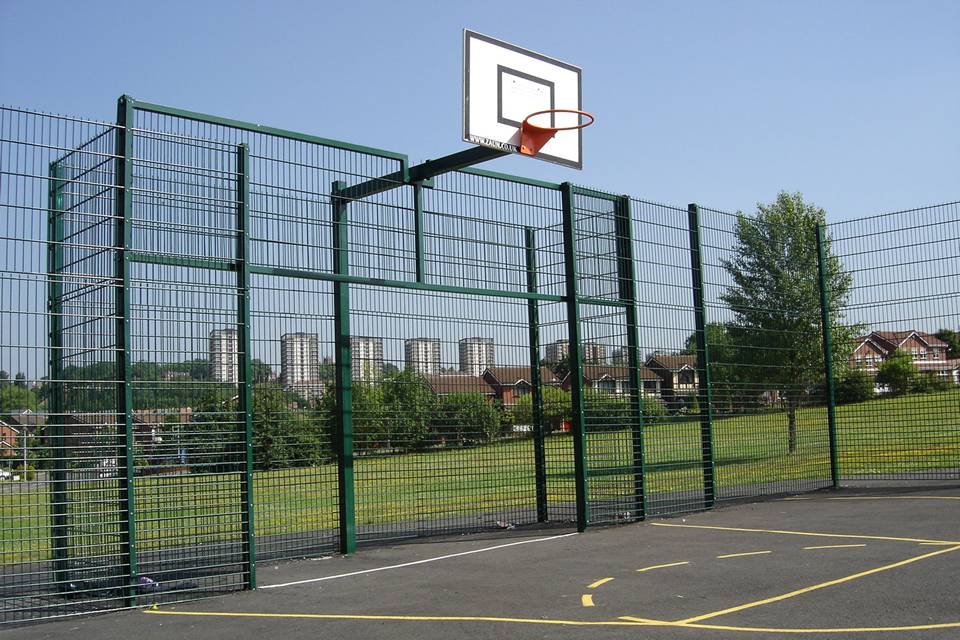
(509, 384)
(615, 379)
(679, 381)
(929, 352)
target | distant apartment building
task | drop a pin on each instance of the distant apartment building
(476, 354)
(592, 352)
(366, 358)
(556, 351)
(224, 355)
(299, 359)
(422, 355)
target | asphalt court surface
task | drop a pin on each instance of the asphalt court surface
(857, 564)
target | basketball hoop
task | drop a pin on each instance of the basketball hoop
(533, 137)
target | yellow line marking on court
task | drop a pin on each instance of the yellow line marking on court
(662, 566)
(586, 600)
(830, 583)
(841, 546)
(623, 621)
(717, 627)
(638, 622)
(740, 555)
(801, 533)
(594, 585)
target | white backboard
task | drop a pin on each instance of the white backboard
(503, 84)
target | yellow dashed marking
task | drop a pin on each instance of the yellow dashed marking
(748, 553)
(586, 600)
(599, 582)
(837, 546)
(799, 533)
(662, 566)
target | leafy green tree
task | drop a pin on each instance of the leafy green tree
(725, 374)
(775, 300)
(409, 407)
(605, 411)
(556, 408)
(14, 399)
(854, 385)
(467, 418)
(898, 373)
(952, 338)
(21, 380)
(4, 378)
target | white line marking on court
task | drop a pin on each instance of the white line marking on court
(410, 564)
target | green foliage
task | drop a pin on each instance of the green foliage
(284, 434)
(898, 373)
(952, 338)
(931, 383)
(14, 399)
(776, 301)
(653, 409)
(854, 385)
(556, 408)
(467, 418)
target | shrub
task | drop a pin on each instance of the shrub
(898, 373)
(855, 385)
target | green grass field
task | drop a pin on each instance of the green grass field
(879, 437)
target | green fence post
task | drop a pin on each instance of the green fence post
(704, 391)
(58, 496)
(124, 233)
(533, 322)
(575, 354)
(245, 404)
(344, 378)
(418, 230)
(826, 329)
(628, 294)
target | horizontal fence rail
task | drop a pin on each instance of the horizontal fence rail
(223, 344)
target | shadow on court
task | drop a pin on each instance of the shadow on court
(852, 563)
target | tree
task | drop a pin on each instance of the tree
(952, 338)
(724, 372)
(854, 385)
(775, 300)
(4, 378)
(898, 373)
(556, 408)
(466, 417)
(14, 399)
(21, 380)
(409, 407)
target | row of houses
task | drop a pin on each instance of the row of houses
(670, 377)
(929, 353)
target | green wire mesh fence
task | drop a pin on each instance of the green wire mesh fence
(224, 344)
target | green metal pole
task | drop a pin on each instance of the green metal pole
(628, 293)
(826, 328)
(245, 404)
(533, 323)
(705, 390)
(418, 229)
(124, 228)
(575, 355)
(344, 381)
(59, 494)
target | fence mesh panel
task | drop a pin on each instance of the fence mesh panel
(223, 343)
(899, 401)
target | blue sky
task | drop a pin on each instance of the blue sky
(855, 104)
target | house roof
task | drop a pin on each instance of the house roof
(445, 383)
(673, 362)
(890, 340)
(598, 372)
(510, 376)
